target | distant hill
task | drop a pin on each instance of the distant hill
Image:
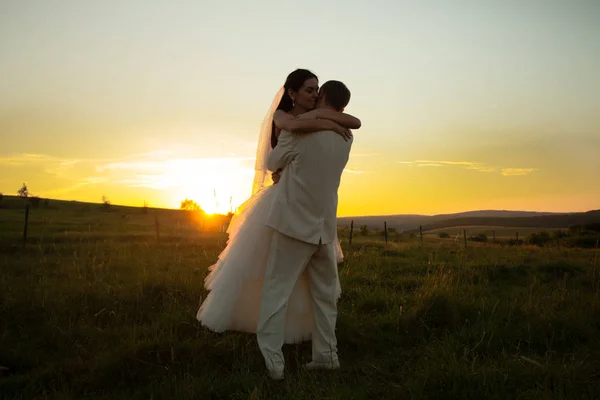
(407, 222)
(544, 221)
(15, 202)
(65, 209)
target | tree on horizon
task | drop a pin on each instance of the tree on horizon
(24, 191)
(190, 205)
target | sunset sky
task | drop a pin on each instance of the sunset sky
(465, 104)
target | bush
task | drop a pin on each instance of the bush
(444, 235)
(105, 202)
(574, 229)
(539, 238)
(482, 237)
(364, 230)
(560, 234)
(587, 242)
(594, 227)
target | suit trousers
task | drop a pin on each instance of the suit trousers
(287, 259)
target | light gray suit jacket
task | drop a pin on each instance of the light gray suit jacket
(305, 205)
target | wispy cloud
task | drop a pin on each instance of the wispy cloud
(57, 166)
(430, 164)
(28, 159)
(476, 166)
(355, 171)
(174, 172)
(78, 185)
(470, 165)
(517, 171)
(155, 170)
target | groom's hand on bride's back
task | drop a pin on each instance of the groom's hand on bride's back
(276, 176)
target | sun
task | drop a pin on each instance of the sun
(217, 185)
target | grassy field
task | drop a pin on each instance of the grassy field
(94, 307)
(501, 232)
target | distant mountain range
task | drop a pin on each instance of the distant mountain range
(408, 222)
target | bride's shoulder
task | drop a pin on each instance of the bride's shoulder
(282, 115)
(283, 120)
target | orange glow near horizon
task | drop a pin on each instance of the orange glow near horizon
(220, 185)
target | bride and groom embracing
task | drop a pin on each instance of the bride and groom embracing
(278, 276)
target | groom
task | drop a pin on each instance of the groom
(303, 217)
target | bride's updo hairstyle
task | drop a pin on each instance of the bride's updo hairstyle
(294, 82)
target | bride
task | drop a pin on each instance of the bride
(235, 281)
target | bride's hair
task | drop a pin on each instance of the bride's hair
(294, 82)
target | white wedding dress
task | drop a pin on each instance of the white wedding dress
(235, 282)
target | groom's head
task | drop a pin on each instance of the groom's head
(334, 94)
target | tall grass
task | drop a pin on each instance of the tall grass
(111, 315)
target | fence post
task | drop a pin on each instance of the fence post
(517, 235)
(26, 224)
(494, 236)
(351, 229)
(385, 231)
(465, 236)
(157, 228)
(421, 232)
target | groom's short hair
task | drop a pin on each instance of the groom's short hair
(336, 93)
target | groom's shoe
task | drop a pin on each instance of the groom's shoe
(276, 375)
(327, 365)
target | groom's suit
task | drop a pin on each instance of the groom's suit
(303, 217)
